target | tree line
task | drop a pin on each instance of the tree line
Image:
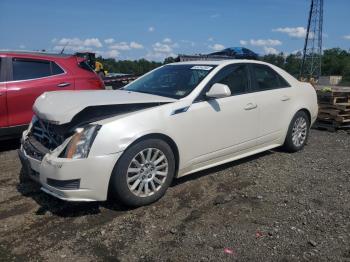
(335, 61)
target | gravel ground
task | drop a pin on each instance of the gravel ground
(271, 207)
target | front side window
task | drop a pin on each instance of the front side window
(267, 79)
(235, 77)
(175, 81)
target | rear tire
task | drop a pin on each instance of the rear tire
(143, 173)
(298, 132)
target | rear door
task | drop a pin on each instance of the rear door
(29, 79)
(3, 104)
(274, 97)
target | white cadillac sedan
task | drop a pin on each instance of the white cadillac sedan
(175, 120)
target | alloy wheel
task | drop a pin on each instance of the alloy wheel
(299, 131)
(147, 172)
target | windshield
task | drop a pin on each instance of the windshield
(175, 81)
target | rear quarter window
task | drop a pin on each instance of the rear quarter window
(56, 70)
(84, 65)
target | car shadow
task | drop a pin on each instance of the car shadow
(214, 104)
(61, 208)
(10, 144)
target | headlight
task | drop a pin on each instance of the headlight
(80, 144)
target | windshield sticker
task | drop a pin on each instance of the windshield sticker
(207, 68)
(180, 92)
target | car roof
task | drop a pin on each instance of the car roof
(219, 62)
(34, 53)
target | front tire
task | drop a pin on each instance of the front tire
(143, 173)
(298, 132)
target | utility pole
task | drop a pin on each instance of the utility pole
(312, 53)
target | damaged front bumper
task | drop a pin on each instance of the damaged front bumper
(68, 179)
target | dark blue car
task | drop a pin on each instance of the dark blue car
(236, 52)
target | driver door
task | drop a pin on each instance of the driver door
(226, 126)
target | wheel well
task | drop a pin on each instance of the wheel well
(307, 112)
(168, 140)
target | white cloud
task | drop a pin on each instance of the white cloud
(210, 39)
(162, 48)
(71, 41)
(297, 51)
(265, 42)
(270, 50)
(109, 41)
(22, 46)
(135, 45)
(76, 44)
(71, 48)
(217, 47)
(120, 46)
(243, 42)
(297, 32)
(111, 54)
(347, 37)
(125, 46)
(159, 56)
(167, 40)
(93, 42)
(151, 29)
(108, 54)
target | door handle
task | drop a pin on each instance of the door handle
(250, 106)
(1, 94)
(285, 98)
(63, 84)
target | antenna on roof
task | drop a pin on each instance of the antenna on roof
(64, 47)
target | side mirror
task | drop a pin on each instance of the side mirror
(218, 91)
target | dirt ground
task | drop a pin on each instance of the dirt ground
(271, 207)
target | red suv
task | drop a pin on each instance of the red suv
(26, 75)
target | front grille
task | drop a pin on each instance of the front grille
(34, 149)
(64, 184)
(45, 133)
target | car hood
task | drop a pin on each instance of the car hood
(60, 107)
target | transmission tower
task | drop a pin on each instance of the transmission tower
(312, 53)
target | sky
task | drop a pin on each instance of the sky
(155, 29)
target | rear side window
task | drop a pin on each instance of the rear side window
(235, 77)
(267, 79)
(30, 69)
(24, 69)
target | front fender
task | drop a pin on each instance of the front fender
(117, 135)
